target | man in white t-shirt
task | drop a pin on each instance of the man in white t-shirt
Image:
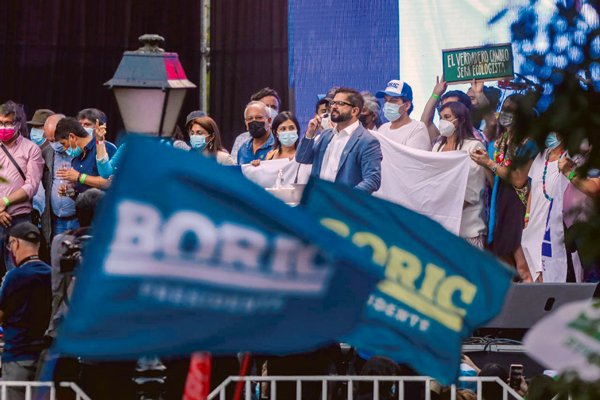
(397, 108)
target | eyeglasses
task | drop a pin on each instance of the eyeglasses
(340, 103)
(7, 124)
(258, 118)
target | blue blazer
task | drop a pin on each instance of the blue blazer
(360, 164)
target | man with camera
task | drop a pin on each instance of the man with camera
(25, 305)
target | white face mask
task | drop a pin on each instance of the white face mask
(446, 128)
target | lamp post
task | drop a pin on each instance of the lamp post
(150, 85)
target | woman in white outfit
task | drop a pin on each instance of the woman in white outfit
(457, 135)
(543, 236)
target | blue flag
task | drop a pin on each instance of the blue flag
(437, 287)
(189, 255)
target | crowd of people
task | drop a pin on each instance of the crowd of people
(518, 203)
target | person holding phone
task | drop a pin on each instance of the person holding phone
(456, 133)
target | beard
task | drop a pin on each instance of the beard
(337, 116)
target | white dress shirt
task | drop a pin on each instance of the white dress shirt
(333, 154)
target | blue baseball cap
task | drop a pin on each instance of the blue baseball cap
(396, 88)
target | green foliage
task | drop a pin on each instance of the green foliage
(564, 58)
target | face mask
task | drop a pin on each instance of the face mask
(257, 129)
(446, 128)
(392, 111)
(198, 142)
(57, 147)
(552, 141)
(287, 139)
(37, 136)
(90, 131)
(6, 134)
(272, 113)
(505, 119)
(74, 152)
(326, 121)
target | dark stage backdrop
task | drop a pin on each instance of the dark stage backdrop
(57, 54)
(249, 50)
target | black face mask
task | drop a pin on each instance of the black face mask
(363, 118)
(257, 129)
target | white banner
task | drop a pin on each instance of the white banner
(568, 339)
(266, 173)
(432, 184)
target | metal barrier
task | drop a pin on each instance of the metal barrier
(219, 392)
(41, 386)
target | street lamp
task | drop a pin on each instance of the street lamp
(150, 86)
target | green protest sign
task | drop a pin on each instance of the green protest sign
(486, 63)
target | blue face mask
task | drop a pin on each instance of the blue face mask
(552, 141)
(198, 142)
(37, 136)
(74, 152)
(287, 139)
(90, 131)
(57, 147)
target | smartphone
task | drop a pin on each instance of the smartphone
(515, 375)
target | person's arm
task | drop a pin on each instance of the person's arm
(517, 177)
(1, 317)
(100, 141)
(371, 167)
(429, 111)
(482, 100)
(306, 151)
(588, 186)
(33, 176)
(94, 181)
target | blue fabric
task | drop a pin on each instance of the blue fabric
(39, 199)
(26, 300)
(106, 168)
(61, 225)
(332, 43)
(492, 217)
(218, 264)
(438, 288)
(86, 162)
(62, 206)
(360, 164)
(246, 153)
(547, 241)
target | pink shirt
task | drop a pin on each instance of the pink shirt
(29, 157)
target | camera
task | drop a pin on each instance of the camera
(71, 252)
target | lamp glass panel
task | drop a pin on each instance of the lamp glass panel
(174, 103)
(141, 109)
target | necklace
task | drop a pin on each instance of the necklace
(544, 175)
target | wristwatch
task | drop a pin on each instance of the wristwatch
(494, 168)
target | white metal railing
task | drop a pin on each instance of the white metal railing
(48, 388)
(219, 392)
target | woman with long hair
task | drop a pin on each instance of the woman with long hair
(285, 131)
(206, 139)
(456, 132)
(510, 186)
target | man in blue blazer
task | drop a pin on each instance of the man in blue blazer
(348, 153)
